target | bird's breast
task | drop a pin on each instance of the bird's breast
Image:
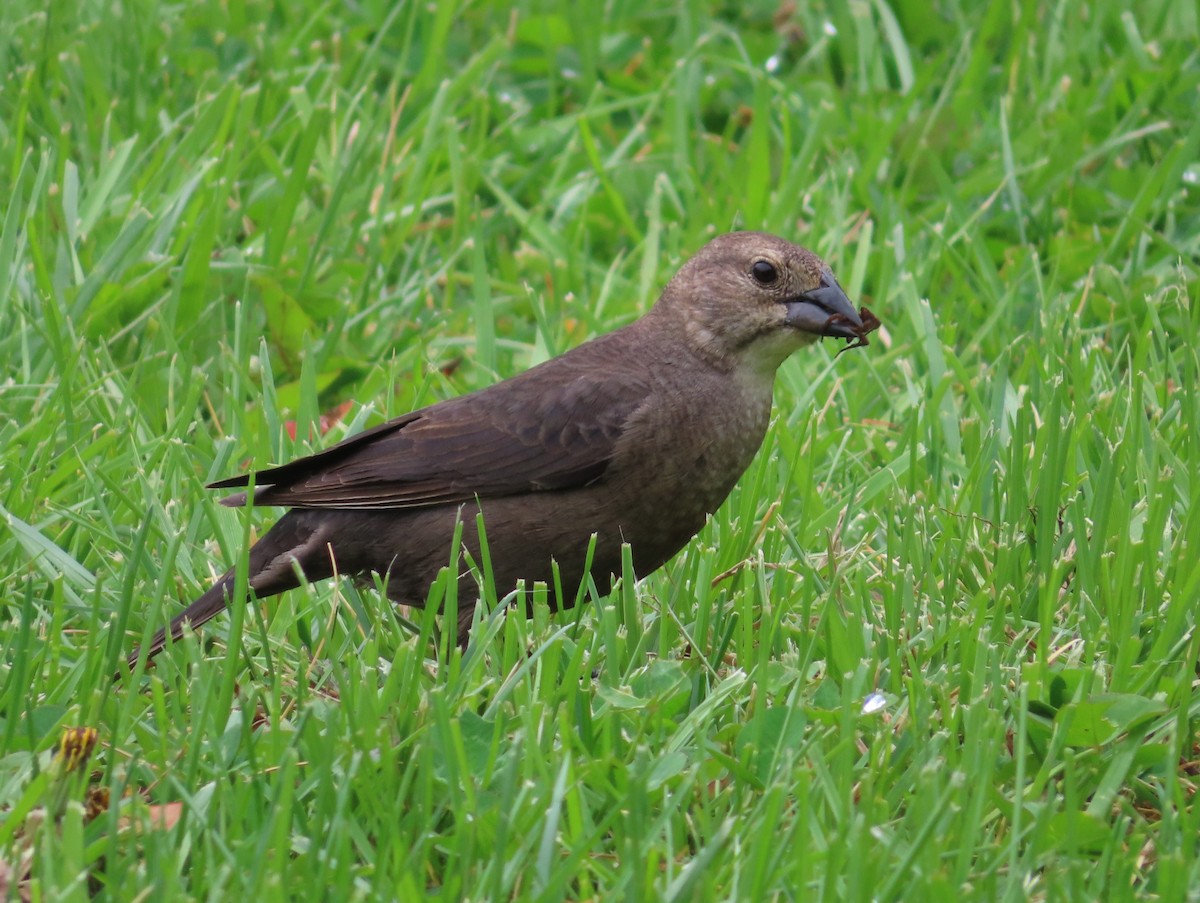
(683, 455)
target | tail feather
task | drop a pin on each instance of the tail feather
(204, 609)
(272, 569)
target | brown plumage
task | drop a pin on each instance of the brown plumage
(636, 436)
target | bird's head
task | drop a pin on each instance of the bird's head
(747, 300)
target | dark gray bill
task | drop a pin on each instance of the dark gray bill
(825, 311)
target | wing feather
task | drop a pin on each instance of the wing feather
(550, 428)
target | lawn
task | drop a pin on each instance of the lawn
(940, 643)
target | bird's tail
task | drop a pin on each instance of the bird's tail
(272, 570)
(205, 608)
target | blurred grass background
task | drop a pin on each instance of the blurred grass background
(940, 641)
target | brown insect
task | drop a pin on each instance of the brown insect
(870, 323)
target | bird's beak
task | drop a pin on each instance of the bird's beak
(825, 311)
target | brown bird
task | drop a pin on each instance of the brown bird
(634, 437)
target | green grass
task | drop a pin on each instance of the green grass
(953, 650)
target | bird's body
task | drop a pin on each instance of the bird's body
(635, 437)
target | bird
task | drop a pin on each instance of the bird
(635, 437)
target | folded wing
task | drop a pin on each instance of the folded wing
(503, 440)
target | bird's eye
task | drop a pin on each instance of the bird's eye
(764, 272)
